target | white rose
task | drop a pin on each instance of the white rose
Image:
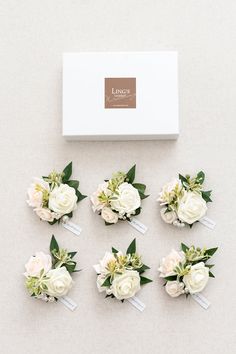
(167, 191)
(126, 285)
(101, 268)
(197, 278)
(63, 199)
(97, 204)
(169, 217)
(37, 189)
(109, 216)
(36, 263)
(45, 214)
(169, 263)
(59, 282)
(174, 288)
(192, 207)
(128, 199)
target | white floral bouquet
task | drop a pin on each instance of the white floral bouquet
(55, 196)
(120, 275)
(119, 198)
(184, 201)
(48, 277)
(186, 271)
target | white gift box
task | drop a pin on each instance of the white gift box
(120, 95)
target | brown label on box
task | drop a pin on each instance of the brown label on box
(120, 92)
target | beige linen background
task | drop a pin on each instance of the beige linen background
(33, 36)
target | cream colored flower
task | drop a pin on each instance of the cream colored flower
(37, 263)
(170, 191)
(59, 282)
(168, 216)
(45, 214)
(192, 207)
(99, 203)
(127, 200)
(126, 285)
(38, 190)
(169, 263)
(63, 199)
(174, 288)
(197, 278)
(109, 216)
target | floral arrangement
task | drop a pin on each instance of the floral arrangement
(48, 277)
(55, 196)
(184, 201)
(186, 271)
(119, 198)
(120, 275)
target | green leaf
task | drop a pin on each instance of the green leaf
(211, 251)
(206, 196)
(54, 244)
(80, 196)
(131, 174)
(209, 265)
(67, 172)
(132, 247)
(70, 267)
(140, 187)
(144, 280)
(143, 268)
(107, 282)
(184, 247)
(108, 223)
(201, 177)
(211, 275)
(143, 196)
(73, 183)
(183, 179)
(53, 222)
(72, 254)
(138, 211)
(171, 278)
(114, 250)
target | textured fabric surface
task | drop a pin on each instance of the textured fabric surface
(33, 35)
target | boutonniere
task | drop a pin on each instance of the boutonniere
(184, 201)
(119, 198)
(120, 275)
(186, 272)
(55, 197)
(48, 276)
